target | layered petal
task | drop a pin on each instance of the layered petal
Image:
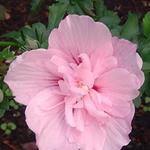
(117, 131)
(93, 137)
(109, 136)
(127, 58)
(80, 34)
(45, 115)
(119, 83)
(30, 73)
(116, 88)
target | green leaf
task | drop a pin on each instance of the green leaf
(16, 107)
(7, 131)
(7, 43)
(6, 54)
(146, 66)
(147, 100)
(35, 6)
(12, 103)
(145, 53)
(116, 31)
(74, 9)
(111, 21)
(100, 8)
(146, 85)
(4, 104)
(31, 43)
(2, 112)
(146, 24)
(13, 35)
(11, 126)
(44, 44)
(146, 108)
(137, 102)
(40, 32)
(27, 31)
(130, 29)
(56, 13)
(86, 6)
(3, 126)
(1, 95)
(8, 92)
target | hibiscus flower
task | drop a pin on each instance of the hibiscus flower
(79, 92)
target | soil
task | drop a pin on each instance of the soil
(19, 15)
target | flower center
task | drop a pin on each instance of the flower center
(77, 85)
(83, 87)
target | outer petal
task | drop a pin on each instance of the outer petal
(119, 128)
(125, 52)
(110, 105)
(45, 116)
(80, 34)
(118, 87)
(102, 65)
(112, 135)
(93, 137)
(30, 73)
(118, 83)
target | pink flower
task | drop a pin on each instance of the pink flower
(79, 92)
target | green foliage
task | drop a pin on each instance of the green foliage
(146, 24)
(111, 20)
(6, 54)
(130, 29)
(100, 8)
(30, 37)
(35, 6)
(4, 106)
(56, 13)
(147, 106)
(6, 103)
(86, 6)
(13, 104)
(137, 102)
(78, 7)
(7, 128)
(1, 95)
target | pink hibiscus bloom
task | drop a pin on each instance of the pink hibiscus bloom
(79, 92)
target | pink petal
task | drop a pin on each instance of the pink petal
(45, 116)
(79, 116)
(125, 52)
(106, 104)
(80, 34)
(139, 61)
(69, 111)
(98, 136)
(101, 65)
(86, 76)
(30, 73)
(59, 61)
(119, 128)
(118, 84)
(85, 62)
(93, 111)
(93, 137)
